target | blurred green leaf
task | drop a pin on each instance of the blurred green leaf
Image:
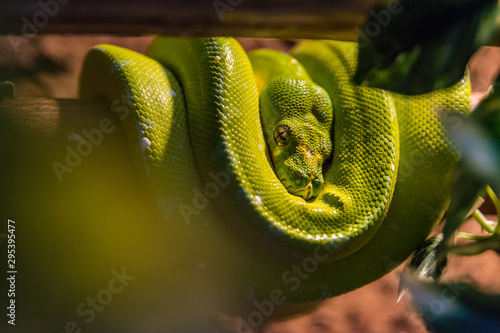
(478, 138)
(414, 47)
(456, 307)
(427, 263)
(465, 189)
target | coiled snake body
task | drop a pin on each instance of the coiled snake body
(194, 124)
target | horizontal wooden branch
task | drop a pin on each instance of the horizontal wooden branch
(284, 19)
(335, 19)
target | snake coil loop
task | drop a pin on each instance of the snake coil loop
(196, 101)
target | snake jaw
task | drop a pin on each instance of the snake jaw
(307, 192)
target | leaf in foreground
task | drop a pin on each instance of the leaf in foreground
(456, 308)
(420, 45)
(478, 138)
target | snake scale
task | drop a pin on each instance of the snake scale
(253, 214)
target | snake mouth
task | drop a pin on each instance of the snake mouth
(305, 192)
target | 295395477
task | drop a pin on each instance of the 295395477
(11, 271)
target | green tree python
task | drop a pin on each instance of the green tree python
(285, 180)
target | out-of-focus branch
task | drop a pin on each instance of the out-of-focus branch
(336, 19)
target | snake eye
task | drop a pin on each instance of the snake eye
(282, 135)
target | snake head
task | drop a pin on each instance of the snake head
(297, 119)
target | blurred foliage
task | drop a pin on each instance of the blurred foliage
(416, 46)
(456, 308)
(478, 137)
